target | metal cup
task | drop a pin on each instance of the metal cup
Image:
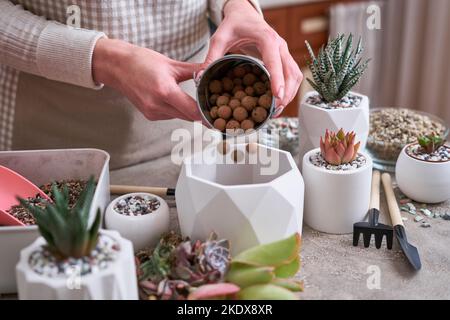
(217, 70)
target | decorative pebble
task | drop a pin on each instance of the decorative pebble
(349, 101)
(442, 154)
(411, 206)
(404, 219)
(418, 218)
(426, 212)
(436, 215)
(317, 160)
(137, 205)
(44, 263)
(446, 216)
(425, 225)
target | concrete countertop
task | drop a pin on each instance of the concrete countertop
(270, 4)
(333, 269)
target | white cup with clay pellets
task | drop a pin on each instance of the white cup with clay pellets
(234, 96)
(139, 217)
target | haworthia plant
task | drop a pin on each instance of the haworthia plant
(67, 230)
(337, 68)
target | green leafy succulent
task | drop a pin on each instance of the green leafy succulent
(66, 229)
(430, 143)
(337, 68)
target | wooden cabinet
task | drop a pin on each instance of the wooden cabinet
(298, 23)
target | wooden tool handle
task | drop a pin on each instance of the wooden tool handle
(394, 211)
(121, 189)
(375, 190)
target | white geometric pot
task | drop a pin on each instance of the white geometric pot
(313, 121)
(335, 200)
(423, 181)
(116, 282)
(240, 201)
(143, 231)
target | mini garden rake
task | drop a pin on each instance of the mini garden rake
(372, 226)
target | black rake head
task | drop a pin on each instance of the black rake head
(373, 227)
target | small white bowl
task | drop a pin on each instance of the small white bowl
(143, 231)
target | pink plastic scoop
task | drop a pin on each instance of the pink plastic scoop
(13, 185)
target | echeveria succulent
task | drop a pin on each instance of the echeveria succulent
(339, 148)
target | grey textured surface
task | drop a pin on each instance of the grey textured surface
(333, 269)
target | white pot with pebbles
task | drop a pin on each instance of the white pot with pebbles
(72, 259)
(332, 105)
(139, 217)
(337, 184)
(423, 170)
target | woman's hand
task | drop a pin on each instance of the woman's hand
(244, 27)
(148, 79)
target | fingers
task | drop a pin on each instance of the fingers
(183, 103)
(292, 74)
(218, 46)
(185, 70)
(272, 60)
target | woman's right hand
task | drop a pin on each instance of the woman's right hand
(147, 78)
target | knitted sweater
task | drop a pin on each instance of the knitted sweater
(48, 98)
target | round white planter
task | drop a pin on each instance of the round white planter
(117, 282)
(335, 200)
(241, 201)
(313, 121)
(423, 181)
(143, 231)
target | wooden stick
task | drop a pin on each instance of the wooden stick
(122, 189)
(394, 211)
(375, 190)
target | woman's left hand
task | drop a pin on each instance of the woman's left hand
(243, 27)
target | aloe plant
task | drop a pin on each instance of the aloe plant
(337, 68)
(66, 229)
(430, 143)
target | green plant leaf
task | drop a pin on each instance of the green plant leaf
(272, 254)
(266, 292)
(288, 270)
(244, 275)
(289, 284)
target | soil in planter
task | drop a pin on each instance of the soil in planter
(75, 188)
(44, 263)
(349, 101)
(317, 160)
(442, 154)
(137, 205)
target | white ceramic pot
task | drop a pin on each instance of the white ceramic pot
(423, 181)
(40, 167)
(240, 201)
(143, 231)
(116, 282)
(335, 200)
(313, 121)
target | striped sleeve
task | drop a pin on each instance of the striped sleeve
(49, 49)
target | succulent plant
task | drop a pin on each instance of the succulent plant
(339, 148)
(176, 268)
(337, 68)
(264, 272)
(430, 143)
(66, 230)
